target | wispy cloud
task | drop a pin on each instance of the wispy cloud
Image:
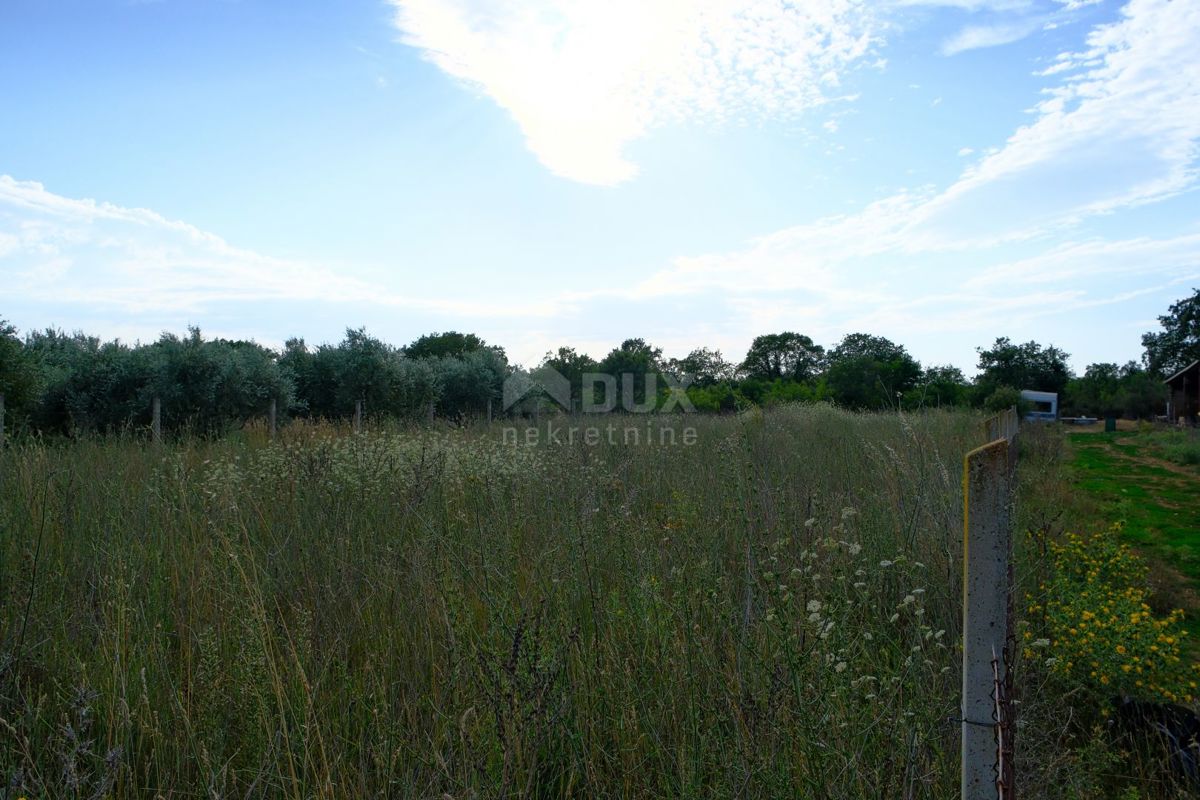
(971, 5)
(1120, 129)
(582, 80)
(974, 37)
(133, 260)
(1089, 261)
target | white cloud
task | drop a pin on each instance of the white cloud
(63, 250)
(974, 37)
(804, 257)
(965, 151)
(584, 79)
(1084, 262)
(8, 244)
(971, 5)
(1121, 130)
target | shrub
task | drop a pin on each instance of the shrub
(1099, 632)
(1003, 398)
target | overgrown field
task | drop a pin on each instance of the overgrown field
(771, 611)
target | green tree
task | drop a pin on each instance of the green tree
(572, 365)
(938, 387)
(1108, 390)
(1178, 344)
(88, 385)
(366, 369)
(783, 355)
(1142, 393)
(441, 345)
(300, 365)
(1097, 392)
(870, 372)
(718, 397)
(209, 386)
(634, 361)
(417, 382)
(19, 377)
(469, 381)
(1022, 366)
(331, 379)
(703, 367)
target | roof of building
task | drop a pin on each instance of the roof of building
(1185, 369)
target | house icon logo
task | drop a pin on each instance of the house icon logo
(541, 382)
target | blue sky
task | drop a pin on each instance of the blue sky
(550, 172)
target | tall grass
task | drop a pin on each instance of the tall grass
(1180, 446)
(771, 611)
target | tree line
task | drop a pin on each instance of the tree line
(60, 383)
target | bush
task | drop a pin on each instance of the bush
(1097, 629)
(1004, 397)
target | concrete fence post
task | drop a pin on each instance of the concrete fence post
(489, 411)
(429, 412)
(1, 419)
(271, 410)
(156, 418)
(988, 481)
(358, 415)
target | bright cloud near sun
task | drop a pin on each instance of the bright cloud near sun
(940, 172)
(584, 79)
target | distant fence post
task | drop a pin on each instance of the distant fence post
(271, 417)
(1, 419)
(358, 415)
(429, 412)
(987, 726)
(156, 418)
(489, 411)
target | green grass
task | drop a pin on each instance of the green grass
(770, 612)
(1144, 479)
(417, 614)
(1159, 502)
(1178, 446)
